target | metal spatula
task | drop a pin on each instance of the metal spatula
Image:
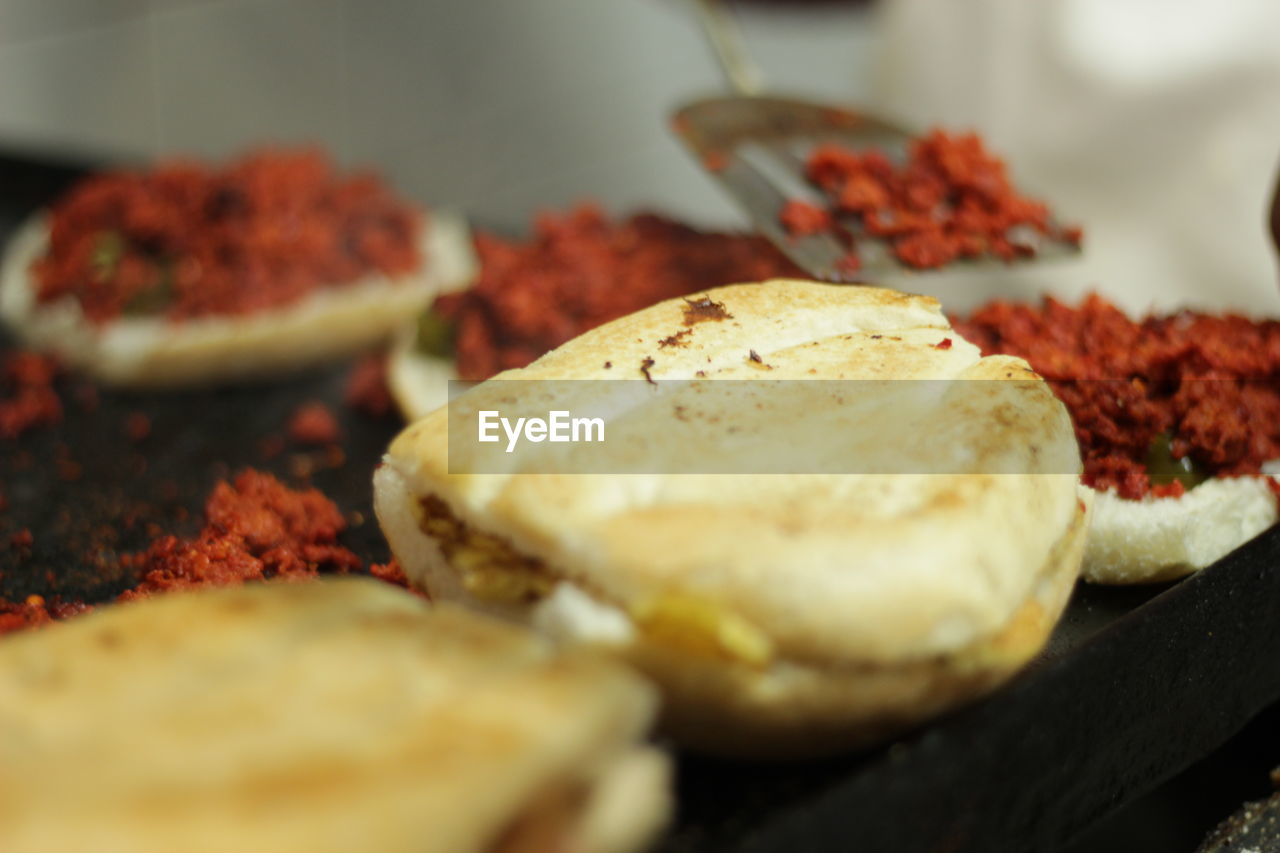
(756, 146)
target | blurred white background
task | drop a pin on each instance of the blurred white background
(495, 106)
(1156, 124)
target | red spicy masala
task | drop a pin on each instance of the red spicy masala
(28, 398)
(255, 529)
(579, 270)
(951, 199)
(1154, 399)
(187, 240)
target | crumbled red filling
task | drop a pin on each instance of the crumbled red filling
(390, 572)
(580, 270)
(951, 199)
(1209, 383)
(188, 240)
(27, 397)
(801, 218)
(34, 610)
(255, 529)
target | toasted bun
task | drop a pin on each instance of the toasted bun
(834, 580)
(1160, 539)
(793, 710)
(326, 716)
(789, 709)
(147, 351)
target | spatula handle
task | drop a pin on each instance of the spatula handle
(725, 37)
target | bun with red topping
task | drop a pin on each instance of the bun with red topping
(186, 273)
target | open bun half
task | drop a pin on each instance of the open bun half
(1161, 539)
(152, 352)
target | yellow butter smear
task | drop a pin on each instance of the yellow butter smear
(702, 628)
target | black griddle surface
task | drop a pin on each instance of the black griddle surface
(1136, 684)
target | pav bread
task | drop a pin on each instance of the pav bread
(780, 612)
(147, 351)
(1161, 539)
(1178, 418)
(333, 715)
(145, 234)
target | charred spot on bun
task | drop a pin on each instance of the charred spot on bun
(780, 613)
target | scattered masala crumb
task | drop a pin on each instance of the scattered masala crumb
(34, 611)
(390, 572)
(715, 161)
(27, 395)
(849, 265)
(137, 426)
(803, 219)
(313, 423)
(255, 529)
(366, 388)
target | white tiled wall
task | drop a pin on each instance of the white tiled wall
(84, 89)
(231, 73)
(495, 106)
(26, 20)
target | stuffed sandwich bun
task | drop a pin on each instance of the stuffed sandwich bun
(332, 715)
(781, 612)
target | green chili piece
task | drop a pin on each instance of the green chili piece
(107, 252)
(1164, 468)
(435, 335)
